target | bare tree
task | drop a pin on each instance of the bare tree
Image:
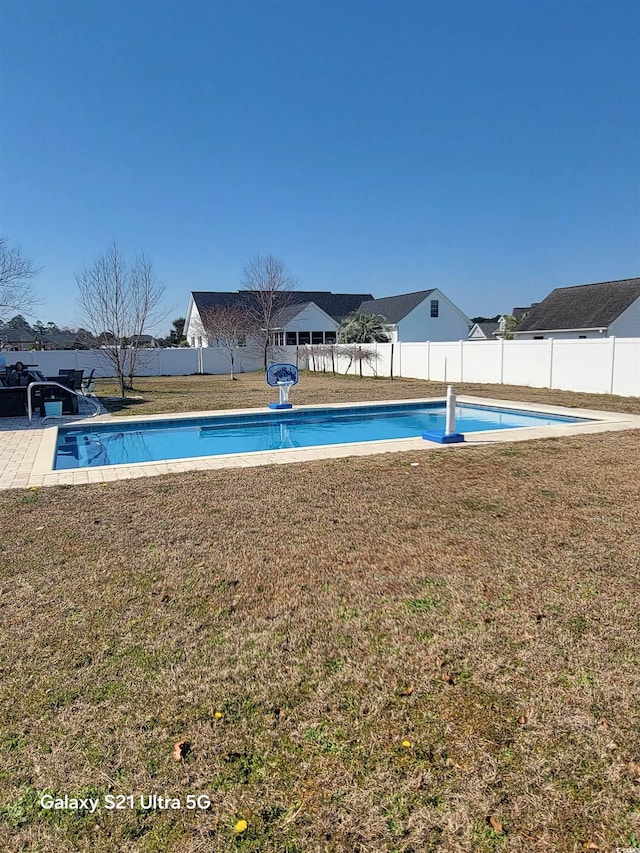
(227, 327)
(119, 302)
(358, 354)
(271, 286)
(16, 272)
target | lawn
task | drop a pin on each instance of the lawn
(153, 395)
(408, 652)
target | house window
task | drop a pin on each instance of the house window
(582, 337)
(434, 307)
(199, 341)
(538, 337)
(329, 337)
(304, 338)
(291, 339)
(193, 341)
(316, 337)
(277, 339)
(242, 340)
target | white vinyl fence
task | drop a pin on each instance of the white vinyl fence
(180, 361)
(607, 366)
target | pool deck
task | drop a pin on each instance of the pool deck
(26, 451)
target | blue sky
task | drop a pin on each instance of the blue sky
(490, 148)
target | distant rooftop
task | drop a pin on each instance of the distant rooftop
(394, 308)
(584, 306)
(336, 305)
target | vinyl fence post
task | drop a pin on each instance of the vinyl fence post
(613, 363)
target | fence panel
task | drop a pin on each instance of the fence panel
(482, 361)
(610, 365)
(445, 361)
(527, 363)
(625, 373)
(586, 367)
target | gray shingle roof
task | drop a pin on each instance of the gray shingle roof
(394, 308)
(585, 306)
(519, 313)
(336, 305)
(488, 328)
(287, 314)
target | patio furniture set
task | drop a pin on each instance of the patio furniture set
(14, 387)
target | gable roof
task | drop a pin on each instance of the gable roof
(488, 328)
(519, 313)
(287, 314)
(585, 306)
(336, 305)
(394, 308)
(18, 336)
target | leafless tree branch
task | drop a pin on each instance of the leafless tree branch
(271, 285)
(228, 328)
(16, 272)
(119, 303)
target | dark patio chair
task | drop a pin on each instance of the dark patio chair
(74, 379)
(87, 383)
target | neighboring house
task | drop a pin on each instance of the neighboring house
(521, 313)
(605, 309)
(423, 316)
(62, 340)
(18, 340)
(502, 327)
(309, 317)
(146, 341)
(22, 340)
(487, 331)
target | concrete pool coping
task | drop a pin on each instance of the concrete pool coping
(28, 452)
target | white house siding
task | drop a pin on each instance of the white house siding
(628, 323)
(477, 335)
(450, 324)
(193, 325)
(311, 319)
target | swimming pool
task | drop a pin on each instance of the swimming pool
(120, 443)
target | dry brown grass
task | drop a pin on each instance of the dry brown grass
(482, 605)
(202, 393)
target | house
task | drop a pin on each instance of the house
(501, 327)
(308, 317)
(18, 340)
(487, 330)
(145, 341)
(64, 340)
(426, 315)
(601, 310)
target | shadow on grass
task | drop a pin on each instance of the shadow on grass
(122, 404)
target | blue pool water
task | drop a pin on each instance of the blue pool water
(160, 440)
